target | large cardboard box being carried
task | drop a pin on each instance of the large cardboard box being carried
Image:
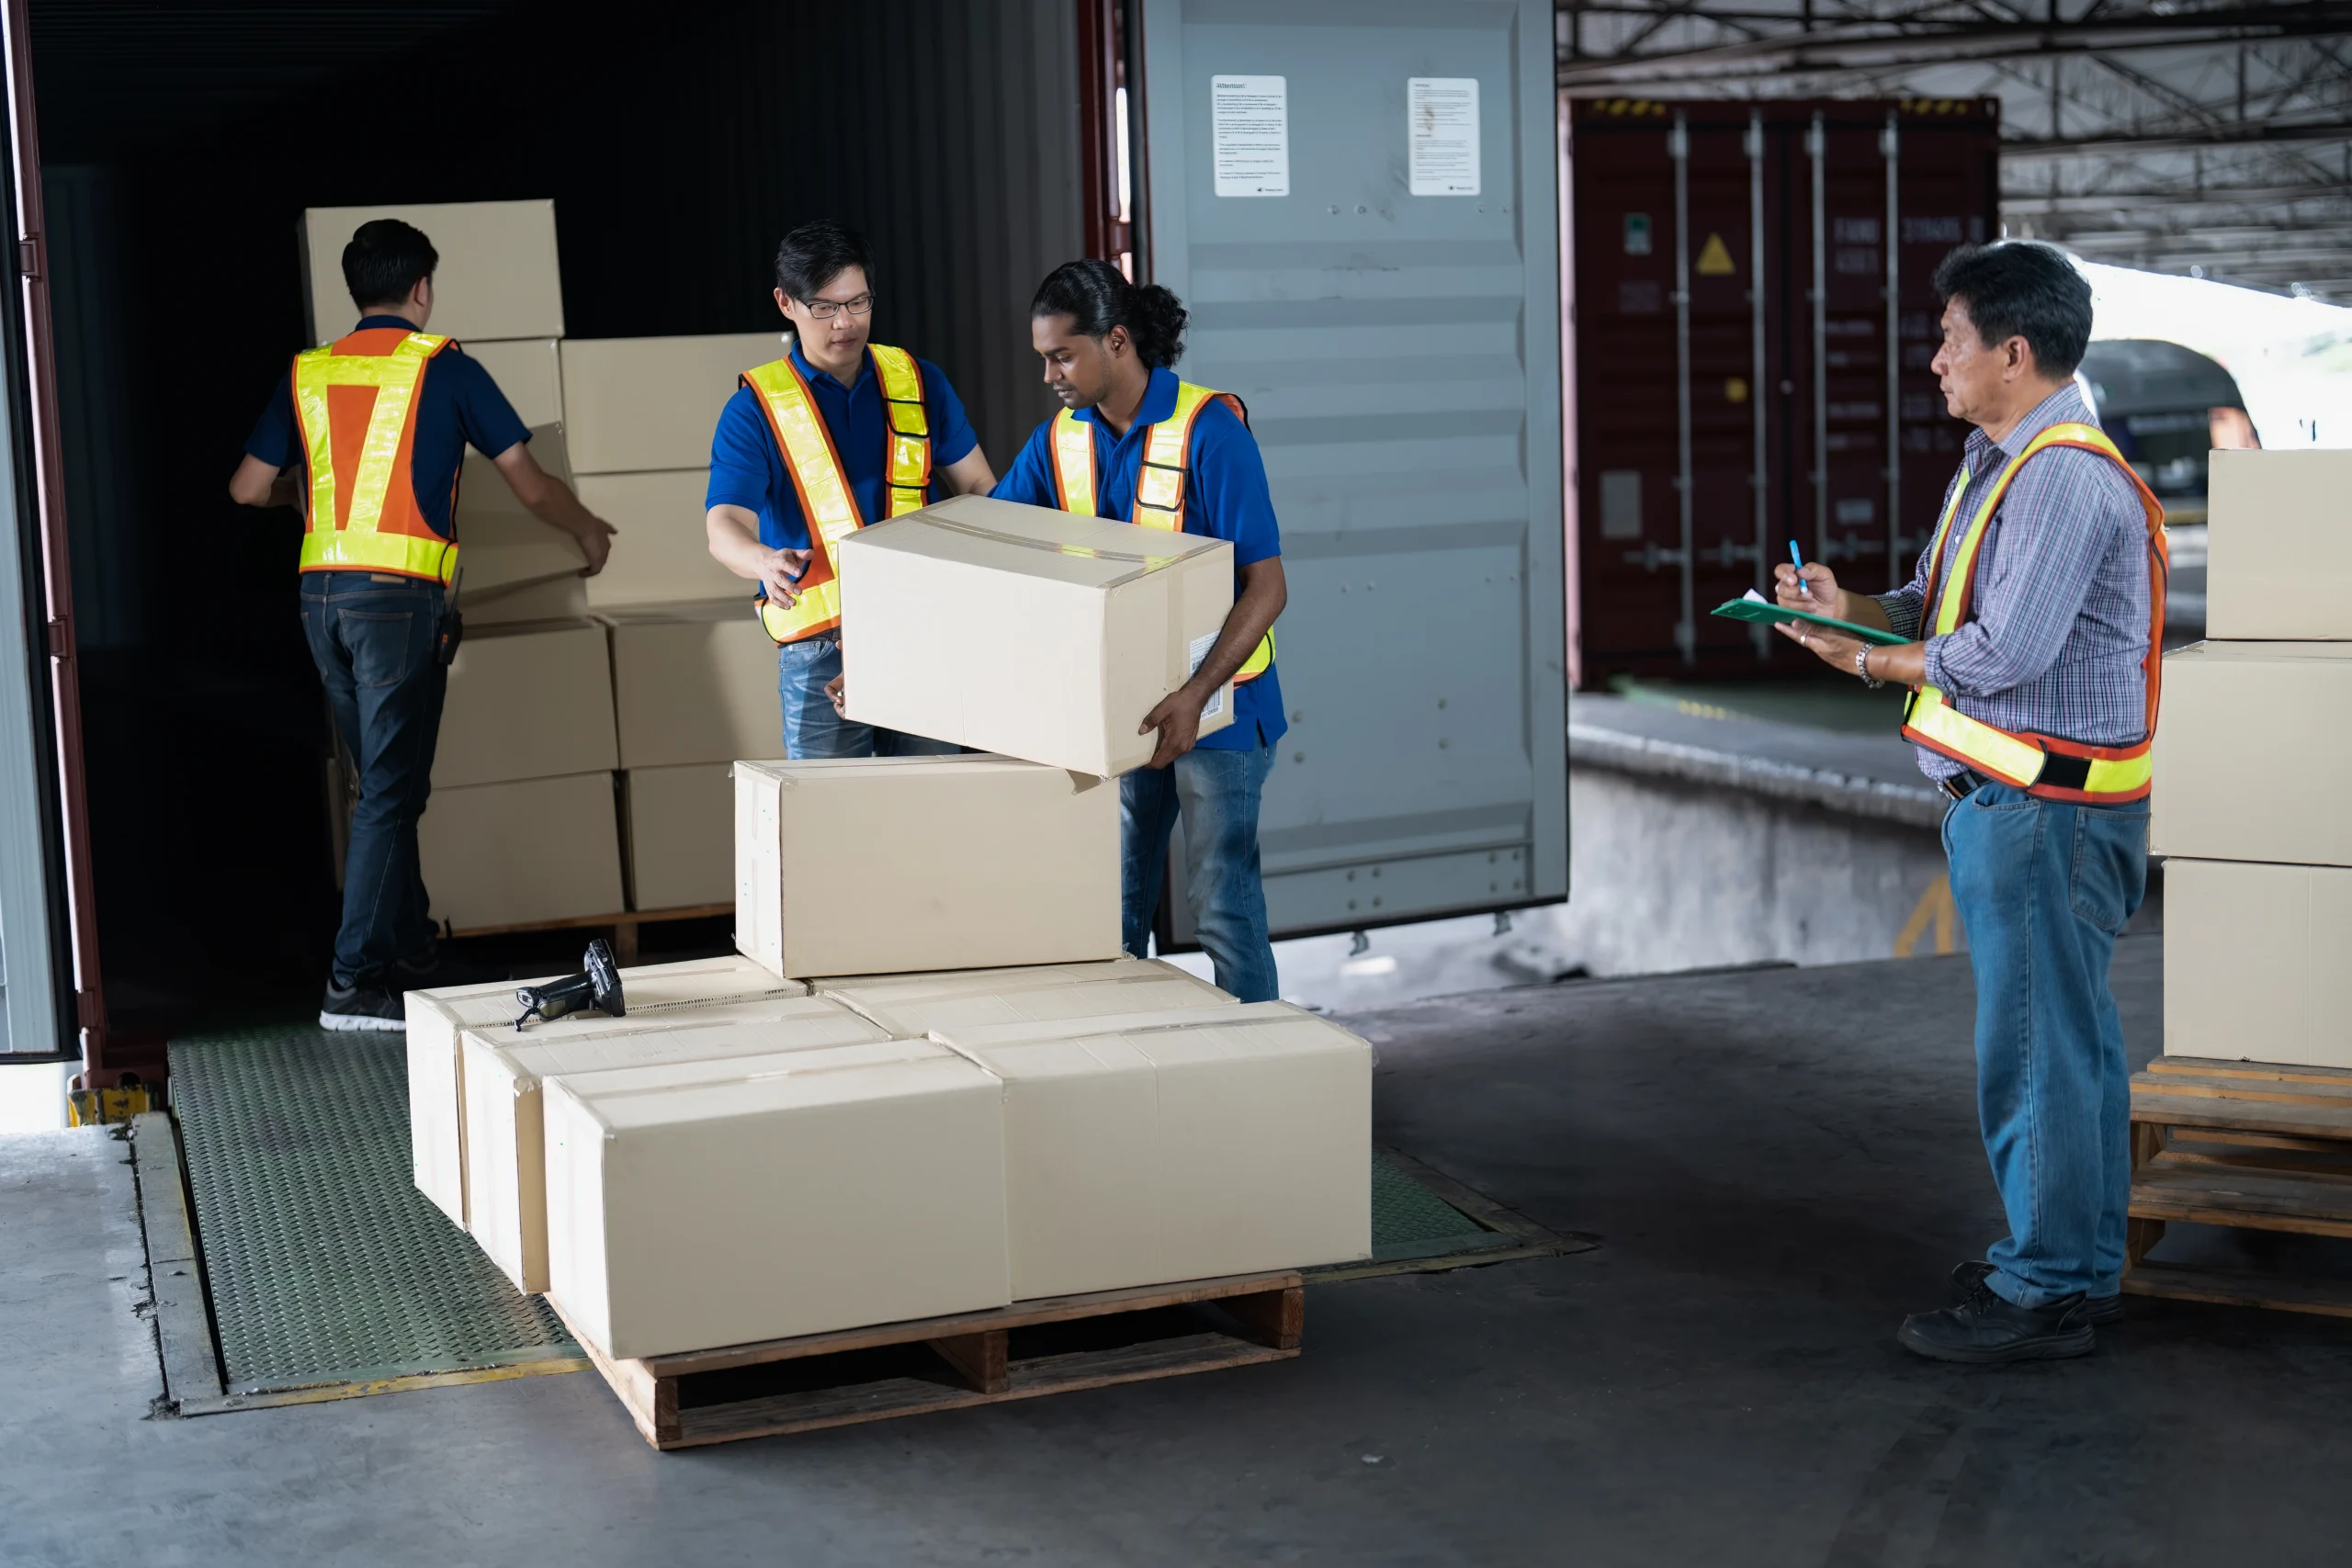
(695, 683)
(501, 547)
(660, 548)
(1035, 633)
(519, 853)
(498, 276)
(527, 702)
(654, 992)
(883, 864)
(638, 404)
(1179, 1146)
(911, 1006)
(2255, 962)
(2278, 546)
(680, 843)
(714, 1203)
(505, 1162)
(2249, 764)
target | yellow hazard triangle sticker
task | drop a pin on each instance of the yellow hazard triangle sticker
(1714, 258)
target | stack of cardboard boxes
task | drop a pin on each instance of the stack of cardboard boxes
(590, 724)
(2249, 764)
(932, 1083)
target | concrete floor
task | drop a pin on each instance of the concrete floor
(1781, 1162)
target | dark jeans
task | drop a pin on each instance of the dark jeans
(372, 641)
(1216, 791)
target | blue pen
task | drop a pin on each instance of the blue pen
(1798, 556)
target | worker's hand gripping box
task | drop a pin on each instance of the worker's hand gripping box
(1036, 633)
(715, 1203)
(884, 865)
(655, 994)
(506, 1208)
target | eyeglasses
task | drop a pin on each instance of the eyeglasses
(825, 310)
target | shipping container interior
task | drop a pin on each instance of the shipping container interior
(1752, 312)
(179, 150)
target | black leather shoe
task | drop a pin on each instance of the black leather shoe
(1983, 1329)
(2103, 1312)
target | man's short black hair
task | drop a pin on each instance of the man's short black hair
(385, 259)
(2018, 288)
(815, 253)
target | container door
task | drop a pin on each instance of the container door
(1357, 203)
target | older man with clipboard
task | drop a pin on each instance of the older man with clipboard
(2031, 638)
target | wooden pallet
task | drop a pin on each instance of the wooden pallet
(1053, 1346)
(623, 925)
(2246, 1145)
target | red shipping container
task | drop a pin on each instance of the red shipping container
(1751, 313)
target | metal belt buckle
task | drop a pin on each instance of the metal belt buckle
(1960, 785)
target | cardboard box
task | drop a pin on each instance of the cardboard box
(500, 544)
(911, 1006)
(2247, 765)
(879, 864)
(716, 1204)
(2255, 962)
(1027, 631)
(559, 599)
(2278, 548)
(528, 371)
(681, 835)
(527, 702)
(1176, 1145)
(696, 684)
(498, 276)
(662, 553)
(512, 855)
(435, 1019)
(637, 404)
(506, 1162)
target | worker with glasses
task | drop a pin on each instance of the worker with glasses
(839, 432)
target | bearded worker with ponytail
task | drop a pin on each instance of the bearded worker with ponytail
(2036, 620)
(1136, 444)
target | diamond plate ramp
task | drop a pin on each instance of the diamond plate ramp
(326, 1267)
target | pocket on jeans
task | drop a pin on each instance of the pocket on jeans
(2110, 872)
(383, 644)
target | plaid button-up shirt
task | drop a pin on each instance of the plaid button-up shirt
(2059, 624)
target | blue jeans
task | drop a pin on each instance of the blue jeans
(1218, 791)
(373, 643)
(2043, 888)
(811, 728)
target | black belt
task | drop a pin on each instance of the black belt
(1962, 785)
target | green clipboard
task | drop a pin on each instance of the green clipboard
(1757, 610)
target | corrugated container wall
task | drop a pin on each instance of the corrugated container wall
(1752, 314)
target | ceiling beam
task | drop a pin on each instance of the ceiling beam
(1866, 45)
(2261, 134)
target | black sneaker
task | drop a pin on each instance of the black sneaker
(362, 1006)
(2103, 1312)
(1983, 1329)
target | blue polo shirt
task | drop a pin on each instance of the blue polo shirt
(457, 406)
(1225, 497)
(747, 470)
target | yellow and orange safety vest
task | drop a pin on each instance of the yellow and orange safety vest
(2044, 765)
(1159, 480)
(355, 401)
(826, 501)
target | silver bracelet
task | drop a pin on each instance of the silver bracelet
(1863, 667)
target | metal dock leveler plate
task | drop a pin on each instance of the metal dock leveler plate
(1358, 204)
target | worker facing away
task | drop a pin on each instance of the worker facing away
(2036, 620)
(839, 432)
(380, 555)
(1135, 444)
